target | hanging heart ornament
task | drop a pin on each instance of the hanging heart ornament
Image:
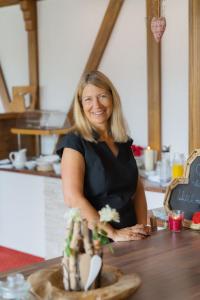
(158, 26)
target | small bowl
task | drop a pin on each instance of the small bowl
(57, 168)
(30, 165)
(44, 166)
(50, 158)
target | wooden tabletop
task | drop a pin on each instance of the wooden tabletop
(167, 263)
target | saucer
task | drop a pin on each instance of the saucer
(30, 165)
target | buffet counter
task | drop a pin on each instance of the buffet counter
(34, 202)
(148, 185)
(167, 263)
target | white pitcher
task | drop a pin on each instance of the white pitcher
(18, 158)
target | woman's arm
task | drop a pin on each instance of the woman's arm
(140, 204)
(73, 172)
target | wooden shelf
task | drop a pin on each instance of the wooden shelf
(34, 131)
(37, 132)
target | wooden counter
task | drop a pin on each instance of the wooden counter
(152, 186)
(148, 185)
(32, 172)
(167, 263)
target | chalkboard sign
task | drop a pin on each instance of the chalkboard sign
(184, 193)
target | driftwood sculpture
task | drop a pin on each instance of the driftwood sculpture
(79, 250)
(82, 260)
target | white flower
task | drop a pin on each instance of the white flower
(73, 214)
(108, 214)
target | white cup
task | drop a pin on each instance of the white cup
(57, 168)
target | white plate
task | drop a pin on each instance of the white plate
(4, 161)
(30, 165)
(8, 166)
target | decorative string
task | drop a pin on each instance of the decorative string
(158, 7)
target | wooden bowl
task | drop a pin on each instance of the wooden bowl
(47, 284)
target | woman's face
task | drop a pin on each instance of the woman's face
(97, 105)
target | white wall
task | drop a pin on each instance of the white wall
(67, 30)
(175, 76)
(13, 48)
(125, 62)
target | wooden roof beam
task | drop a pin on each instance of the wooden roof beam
(4, 94)
(100, 43)
(103, 35)
(29, 10)
(154, 84)
(194, 74)
(8, 2)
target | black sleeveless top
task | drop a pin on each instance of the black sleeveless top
(109, 179)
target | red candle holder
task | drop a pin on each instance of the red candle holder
(175, 220)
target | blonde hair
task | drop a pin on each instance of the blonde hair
(116, 123)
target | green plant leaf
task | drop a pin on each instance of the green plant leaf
(103, 232)
(68, 251)
(104, 240)
(95, 235)
(67, 247)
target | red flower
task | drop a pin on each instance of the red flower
(196, 217)
(137, 150)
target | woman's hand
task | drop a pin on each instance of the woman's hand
(137, 232)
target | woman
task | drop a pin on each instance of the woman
(98, 167)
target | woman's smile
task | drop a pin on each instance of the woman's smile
(97, 105)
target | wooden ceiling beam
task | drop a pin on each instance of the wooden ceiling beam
(100, 43)
(5, 98)
(103, 35)
(154, 84)
(8, 2)
(29, 10)
(194, 74)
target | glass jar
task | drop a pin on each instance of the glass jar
(165, 171)
(177, 165)
(15, 288)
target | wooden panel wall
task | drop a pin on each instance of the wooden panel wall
(194, 74)
(154, 84)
